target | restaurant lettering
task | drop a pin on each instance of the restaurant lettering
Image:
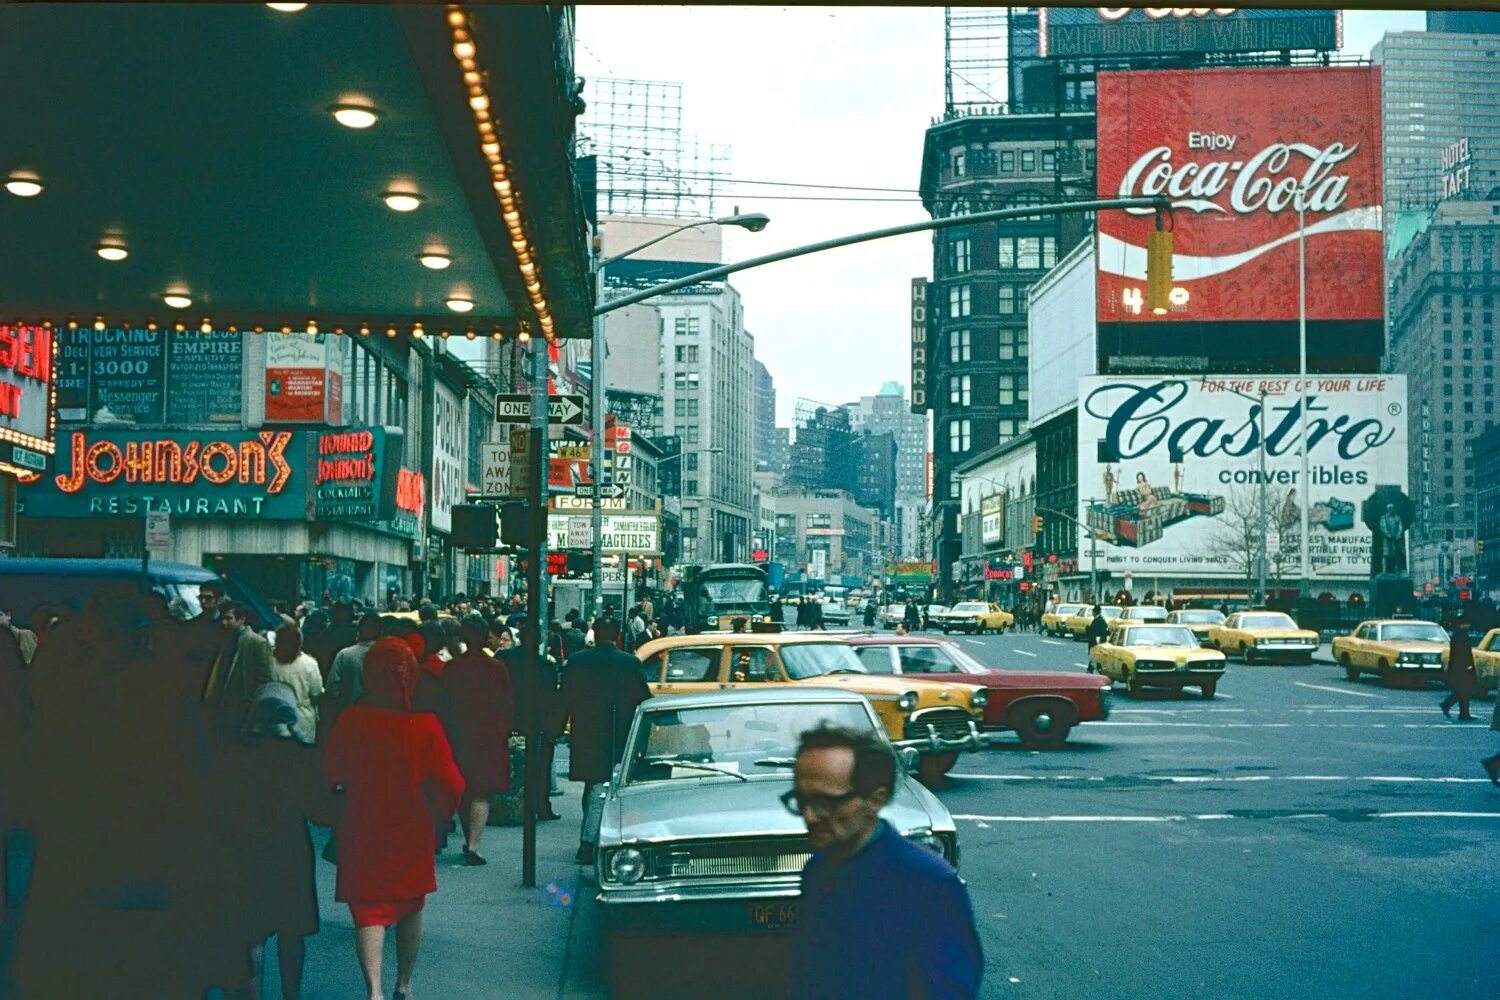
(27, 352)
(411, 489)
(345, 457)
(260, 461)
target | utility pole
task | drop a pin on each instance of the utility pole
(535, 635)
(596, 418)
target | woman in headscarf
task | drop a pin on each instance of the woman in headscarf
(298, 671)
(399, 780)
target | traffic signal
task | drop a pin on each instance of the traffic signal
(1036, 524)
(1479, 547)
(473, 526)
(515, 523)
(1159, 271)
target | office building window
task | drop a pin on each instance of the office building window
(692, 487)
(1028, 160)
(958, 346)
(690, 435)
(1007, 161)
(692, 326)
(958, 258)
(692, 462)
(959, 390)
(692, 407)
(958, 436)
(679, 408)
(959, 301)
(680, 326)
(1011, 300)
(958, 163)
(1049, 159)
(687, 354)
(1030, 252)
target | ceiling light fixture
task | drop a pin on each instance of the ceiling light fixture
(354, 115)
(177, 300)
(24, 185)
(460, 305)
(112, 250)
(287, 8)
(402, 201)
(434, 260)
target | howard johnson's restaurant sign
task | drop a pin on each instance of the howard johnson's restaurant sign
(245, 475)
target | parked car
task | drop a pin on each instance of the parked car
(1264, 634)
(1055, 621)
(1406, 647)
(1144, 613)
(974, 617)
(29, 583)
(1041, 707)
(835, 612)
(694, 837)
(892, 615)
(1199, 621)
(1141, 655)
(1487, 662)
(946, 716)
(1078, 623)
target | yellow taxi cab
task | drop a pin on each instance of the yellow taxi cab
(1487, 661)
(1141, 655)
(1391, 647)
(943, 718)
(1264, 634)
(1077, 624)
(974, 617)
(1199, 621)
(1054, 621)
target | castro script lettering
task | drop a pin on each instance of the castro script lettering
(1267, 181)
(1139, 420)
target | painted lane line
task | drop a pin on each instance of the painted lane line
(1196, 779)
(1324, 687)
(1055, 642)
(1023, 652)
(1158, 724)
(1455, 814)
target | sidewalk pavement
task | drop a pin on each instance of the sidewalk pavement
(483, 934)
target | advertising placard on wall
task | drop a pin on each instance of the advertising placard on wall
(635, 532)
(1169, 469)
(356, 477)
(206, 383)
(1239, 151)
(304, 380)
(449, 464)
(27, 387)
(235, 475)
(992, 520)
(1139, 31)
(118, 370)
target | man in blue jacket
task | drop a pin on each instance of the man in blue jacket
(861, 873)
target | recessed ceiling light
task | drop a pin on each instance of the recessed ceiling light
(177, 300)
(112, 250)
(287, 8)
(460, 305)
(24, 185)
(354, 115)
(402, 201)
(434, 260)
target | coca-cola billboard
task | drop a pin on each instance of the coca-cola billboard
(1242, 153)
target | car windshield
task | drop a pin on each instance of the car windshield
(730, 740)
(1166, 635)
(971, 608)
(1111, 612)
(1147, 614)
(1200, 617)
(965, 663)
(1413, 632)
(936, 609)
(1068, 609)
(735, 592)
(1267, 621)
(814, 659)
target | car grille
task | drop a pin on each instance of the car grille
(1421, 657)
(951, 723)
(785, 856)
(1145, 665)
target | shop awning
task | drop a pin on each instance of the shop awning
(201, 139)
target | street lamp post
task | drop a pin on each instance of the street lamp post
(1305, 543)
(753, 221)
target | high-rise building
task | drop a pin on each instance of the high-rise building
(888, 412)
(875, 486)
(1440, 96)
(823, 454)
(1476, 22)
(1444, 287)
(771, 442)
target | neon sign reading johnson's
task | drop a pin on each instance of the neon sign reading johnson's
(1139, 419)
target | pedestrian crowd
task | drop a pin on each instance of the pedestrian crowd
(205, 747)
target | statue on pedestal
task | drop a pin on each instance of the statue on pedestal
(1392, 542)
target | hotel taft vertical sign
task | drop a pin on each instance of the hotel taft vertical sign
(919, 345)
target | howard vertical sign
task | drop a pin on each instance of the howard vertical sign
(919, 345)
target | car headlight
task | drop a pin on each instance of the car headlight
(944, 846)
(907, 701)
(981, 698)
(627, 865)
(713, 619)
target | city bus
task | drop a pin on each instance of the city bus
(715, 595)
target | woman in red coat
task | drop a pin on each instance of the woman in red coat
(399, 780)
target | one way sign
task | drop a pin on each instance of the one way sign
(515, 407)
(609, 491)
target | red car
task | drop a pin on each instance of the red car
(1041, 706)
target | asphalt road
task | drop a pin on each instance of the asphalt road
(1300, 834)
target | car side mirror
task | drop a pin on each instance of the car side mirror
(910, 759)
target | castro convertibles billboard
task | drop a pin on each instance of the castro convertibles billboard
(1169, 470)
(1238, 151)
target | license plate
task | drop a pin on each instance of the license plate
(773, 916)
(1182, 668)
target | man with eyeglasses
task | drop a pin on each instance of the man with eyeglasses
(863, 878)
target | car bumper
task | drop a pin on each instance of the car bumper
(926, 738)
(1178, 676)
(1300, 649)
(756, 908)
(1436, 669)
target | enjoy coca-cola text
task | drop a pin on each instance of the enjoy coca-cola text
(1269, 181)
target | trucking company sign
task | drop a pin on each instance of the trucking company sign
(1169, 469)
(1240, 152)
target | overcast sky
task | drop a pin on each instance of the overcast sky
(809, 95)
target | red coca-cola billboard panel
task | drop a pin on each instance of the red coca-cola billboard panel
(1233, 149)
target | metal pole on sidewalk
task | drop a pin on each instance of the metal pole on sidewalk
(596, 418)
(536, 605)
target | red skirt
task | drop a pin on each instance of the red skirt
(368, 914)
